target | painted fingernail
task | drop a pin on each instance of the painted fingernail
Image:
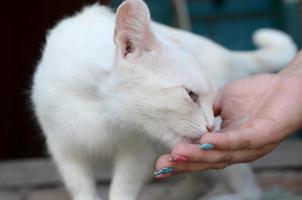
(179, 158)
(162, 176)
(206, 146)
(164, 172)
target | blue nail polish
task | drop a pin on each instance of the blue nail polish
(166, 170)
(206, 146)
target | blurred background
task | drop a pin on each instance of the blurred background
(228, 22)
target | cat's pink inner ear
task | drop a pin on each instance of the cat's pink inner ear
(132, 29)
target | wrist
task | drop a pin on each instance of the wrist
(291, 88)
(295, 67)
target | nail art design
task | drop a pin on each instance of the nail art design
(165, 170)
(206, 146)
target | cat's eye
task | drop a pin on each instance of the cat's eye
(194, 97)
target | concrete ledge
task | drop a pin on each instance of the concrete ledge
(28, 173)
(287, 155)
(42, 172)
(36, 173)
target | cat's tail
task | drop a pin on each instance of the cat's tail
(275, 50)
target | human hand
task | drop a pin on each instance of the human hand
(257, 112)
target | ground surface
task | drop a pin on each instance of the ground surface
(280, 176)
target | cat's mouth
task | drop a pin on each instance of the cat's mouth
(191, 140)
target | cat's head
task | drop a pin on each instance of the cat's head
(156, 84)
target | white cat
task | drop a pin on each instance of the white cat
(97, 100)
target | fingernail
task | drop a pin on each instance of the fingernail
(164, 172)
(206, 146)
(179, 158)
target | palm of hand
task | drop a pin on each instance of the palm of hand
(265, 105)
(241, 102)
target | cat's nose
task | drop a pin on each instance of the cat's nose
(210, 128)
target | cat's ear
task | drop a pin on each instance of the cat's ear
(133, 34)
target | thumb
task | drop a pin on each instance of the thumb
(217, 105)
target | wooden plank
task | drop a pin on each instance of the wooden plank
(28, 173)
(289, 180)
(36, 173)
(11, 196)
(175, 188)
(178, 188)
(42, 172)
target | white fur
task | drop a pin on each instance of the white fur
(97, 100)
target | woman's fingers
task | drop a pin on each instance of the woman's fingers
(165, 168)
(194, 153)
(229, 141)
(197, 167)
